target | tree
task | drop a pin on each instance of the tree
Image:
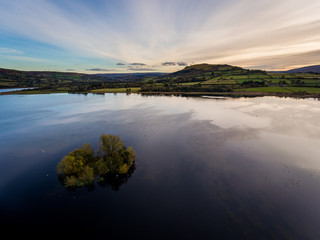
(75, 166)
(80, 167)
(110, 144)
(115, 154)
(75, 161)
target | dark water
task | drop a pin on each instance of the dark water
(205, 168)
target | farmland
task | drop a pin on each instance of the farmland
(201, 78)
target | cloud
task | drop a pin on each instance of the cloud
(168, 64)
(146, 33)
(283, 62)
(139, 69)
(70, 69)
(120, 64)
(137, 64)
(10, 51)
(22, 58)
(98, 69)
(182, 64)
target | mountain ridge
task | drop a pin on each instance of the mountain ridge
(306, 69)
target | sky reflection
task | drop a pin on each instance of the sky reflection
(207, 165)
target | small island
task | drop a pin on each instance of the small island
(81, 167)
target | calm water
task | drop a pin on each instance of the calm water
(12, 89)
(205, 168)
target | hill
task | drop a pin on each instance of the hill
(131, 77)
(213, 73)
(207, 78)
(66, 80)
(205, 68)
(307, 69)
(226, 79)
(44, 79)
(195, 79)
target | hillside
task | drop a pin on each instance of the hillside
(217, 73)
(16, 79)
(227, 79)
(307, 69)
(196, 79)
(205, 68)
(66, 80)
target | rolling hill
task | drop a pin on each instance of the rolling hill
(199, 78)
(307, 69)
(14, 78)
(210, 73)
(205, 69)
(44, 79)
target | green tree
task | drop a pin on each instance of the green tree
(70, 165)
(75, 161)
(87, 176)
(102, 167)
(115, 154)
(76, 166)
(109, 145)
(80, 167)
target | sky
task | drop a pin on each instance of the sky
(108, 36)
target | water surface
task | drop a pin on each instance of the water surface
(206, 168)
(12, 89)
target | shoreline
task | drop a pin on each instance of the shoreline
(236, 94)
(221, 94)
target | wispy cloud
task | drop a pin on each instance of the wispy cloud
(140, 69)
(98, 69)
(168, 64)
(137, 64)
(10, 51)
(22, 58)
(155, 32)
(182, 64)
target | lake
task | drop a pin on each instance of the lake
(206, 168)
(2, 90)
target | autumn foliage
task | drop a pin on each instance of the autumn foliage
(81, 167)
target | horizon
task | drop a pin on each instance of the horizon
(106, 36)
(146, 72)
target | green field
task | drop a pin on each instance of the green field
(281, 90)
(306, 89)
(46, 91)
(264, 89)
(218, 81)
(198, 78)
(251, 79)
(308, 81)
(190, 83)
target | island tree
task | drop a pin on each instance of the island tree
(81, 167)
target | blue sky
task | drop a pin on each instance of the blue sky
(157, 35)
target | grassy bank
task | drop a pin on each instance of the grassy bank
(116, 90)
(24, 92)
(264, 89)
(307, 90)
